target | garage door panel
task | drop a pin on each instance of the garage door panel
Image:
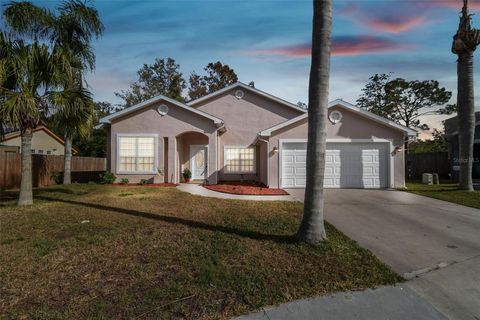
(348, 165)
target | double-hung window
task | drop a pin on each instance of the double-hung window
(239, 160)
(136, 154)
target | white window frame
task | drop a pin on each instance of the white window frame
(240, 147)
(141, 135)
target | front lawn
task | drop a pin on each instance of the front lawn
(446, 192)
(98, 252)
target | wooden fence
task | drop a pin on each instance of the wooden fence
(84, 169)
(430, 162)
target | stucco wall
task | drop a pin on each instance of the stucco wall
(244, 119)
(175, 123)
(352, 126)
(40, 141)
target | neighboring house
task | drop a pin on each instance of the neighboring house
(451, 134)
(44, 142)
(242, 133)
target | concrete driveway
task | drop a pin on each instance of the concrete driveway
(434, 243)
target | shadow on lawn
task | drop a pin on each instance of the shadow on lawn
(285, 239)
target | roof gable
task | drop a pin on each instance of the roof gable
(268, 132)
(244, 86)
(16, 134)
(149, 102)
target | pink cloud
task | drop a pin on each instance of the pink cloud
(455, 4)
(392, 26)
(341, 46)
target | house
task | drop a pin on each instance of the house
(44, 142)
(451, 134)
(242, 133)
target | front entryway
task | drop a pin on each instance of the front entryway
(198, 161)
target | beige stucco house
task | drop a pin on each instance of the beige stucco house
(240, 132)
(44, 142)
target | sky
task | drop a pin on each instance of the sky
(268, 42)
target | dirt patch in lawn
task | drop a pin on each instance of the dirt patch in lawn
(96, 252)
(245, 188)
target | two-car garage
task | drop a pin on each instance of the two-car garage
(352, 164)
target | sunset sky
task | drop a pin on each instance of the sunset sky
(269, 42)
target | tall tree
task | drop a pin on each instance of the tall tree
(218, 76)
(70, 32)
(163, 77)
(403, 101)
(464, 44)
(312, 229)
(27, 73)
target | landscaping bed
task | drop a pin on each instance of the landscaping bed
(447, 192)
(96, 252)
(245, 188)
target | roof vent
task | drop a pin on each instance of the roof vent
(239, 94)
(163, 110)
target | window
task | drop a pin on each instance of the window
(239, 160)
(40, 151)
(33, 151)
(136, 154)
(49, 152)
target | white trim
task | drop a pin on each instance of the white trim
(109, 118)
(225, 147)
(205, 160)
(390, 149)
(249, 88)
(135, 135)
(410, 132)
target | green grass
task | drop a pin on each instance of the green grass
(446, 192)
(99, 252)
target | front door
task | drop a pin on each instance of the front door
(198, 162)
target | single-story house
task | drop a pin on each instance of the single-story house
(451, 134)
(44, 142)
(242, 133)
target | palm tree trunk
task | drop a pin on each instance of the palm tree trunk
(466, 119)
(26, 194)
(67, 161)
(312, 229)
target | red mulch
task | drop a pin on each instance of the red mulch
(145, 185)
(245, 188)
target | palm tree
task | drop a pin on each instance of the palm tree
(464, 44)
(74, 118)
(312, 229)
(71, 33)
(26, 73)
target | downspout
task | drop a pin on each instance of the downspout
(268, 160)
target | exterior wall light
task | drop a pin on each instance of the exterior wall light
(275, 150)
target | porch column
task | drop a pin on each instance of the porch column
(172, 157)
(212, 157)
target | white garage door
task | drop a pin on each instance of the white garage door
(348, 165)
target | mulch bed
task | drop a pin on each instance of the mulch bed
(144, 185)
(245, 188)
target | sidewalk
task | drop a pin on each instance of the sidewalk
(389, 302)
(204, 192)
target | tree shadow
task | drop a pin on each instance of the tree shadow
(282, 239)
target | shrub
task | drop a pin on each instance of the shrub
(124, 181)
(108, 178)
(187, 174)
(143, 182)
(57, 177)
